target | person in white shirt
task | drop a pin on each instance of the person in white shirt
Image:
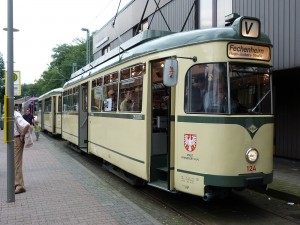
(21, 127)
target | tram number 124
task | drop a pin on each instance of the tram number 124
(251, 168)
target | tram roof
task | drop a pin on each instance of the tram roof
(138, 47)
(52, 92)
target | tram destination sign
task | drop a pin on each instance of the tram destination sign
(244, 51)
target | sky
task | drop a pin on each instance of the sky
(44, 24)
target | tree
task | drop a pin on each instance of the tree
(2, 84)
(60, 69)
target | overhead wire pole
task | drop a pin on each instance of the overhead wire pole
(87, 45)
(10, 106)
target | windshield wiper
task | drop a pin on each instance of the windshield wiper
(252, 110)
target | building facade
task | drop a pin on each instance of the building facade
(279, 20)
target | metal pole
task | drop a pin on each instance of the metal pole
(10, 109)
(87, 49)
(88, 46)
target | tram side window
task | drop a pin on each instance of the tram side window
(48, 105)
(97, 95)
(40, 106)
(75, 99)
(70, 100)
(65, 100)
(131, 88)
(110, 92)
(59, 104)
(206, 89)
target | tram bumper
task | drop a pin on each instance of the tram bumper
(222, 185)
(239, 181)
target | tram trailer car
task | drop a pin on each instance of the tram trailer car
(30, 104)
(50, 109)
(187, 112)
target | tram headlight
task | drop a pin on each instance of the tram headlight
(252, 155)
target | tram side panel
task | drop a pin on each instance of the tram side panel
(58, 123)
(120, 141)
(48, 118)
(70, 127)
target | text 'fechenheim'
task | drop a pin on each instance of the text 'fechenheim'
(243, 51)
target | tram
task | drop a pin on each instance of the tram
(184, 112)
(50, 109)
(30, 104)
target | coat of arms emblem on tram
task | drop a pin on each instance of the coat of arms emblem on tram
(190, 142)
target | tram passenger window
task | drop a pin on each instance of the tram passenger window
(110, 102)
(65, 100)
(131, 91)
(206, 89)
(75, 102)
(97, 95)
(195, 89)
(69, 102)
(110, 92)
(59, 104)
(48, 105)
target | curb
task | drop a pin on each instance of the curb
(279, 194)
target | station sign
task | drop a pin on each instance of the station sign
(17, 83)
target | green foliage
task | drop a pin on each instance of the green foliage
(60, 69)
(58, 72)
(2, 84)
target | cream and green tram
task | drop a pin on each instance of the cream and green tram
(50, 109)
(187, 112)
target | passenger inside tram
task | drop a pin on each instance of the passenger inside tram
(127, 104)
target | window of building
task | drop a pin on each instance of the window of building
(224, 8)
(106, 49)
(206, 14)
(138, 29)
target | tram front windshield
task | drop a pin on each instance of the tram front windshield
(222, 88)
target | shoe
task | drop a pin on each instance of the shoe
(19, 189)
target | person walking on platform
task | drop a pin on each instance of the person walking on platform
(21, 127)
(29, 118)
(37, 129)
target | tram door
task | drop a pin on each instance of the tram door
(83, 117)
(160, 128)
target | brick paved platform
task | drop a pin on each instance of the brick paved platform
(59, 190)
(62, 191)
